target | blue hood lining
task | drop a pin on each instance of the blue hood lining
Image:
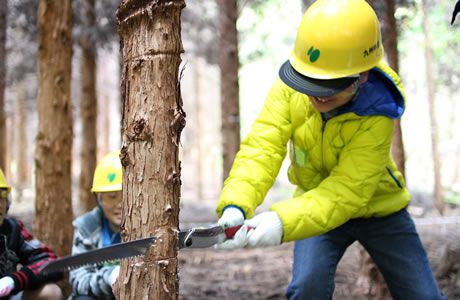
(378, 96)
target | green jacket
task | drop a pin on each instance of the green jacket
(342, 167)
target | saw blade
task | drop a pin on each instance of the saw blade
(100, 256)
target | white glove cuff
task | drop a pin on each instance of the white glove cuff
(232, 216)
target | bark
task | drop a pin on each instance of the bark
(21, 138)
(438, 193)
(3, 26)
(88, 107)
(53, 205)
(228, 63)
(152, 121)
(390, 43)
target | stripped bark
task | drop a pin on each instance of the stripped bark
(152, 121)
(3, 25)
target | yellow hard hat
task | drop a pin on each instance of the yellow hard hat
(108, 174)
(3, 183)
(336, 41)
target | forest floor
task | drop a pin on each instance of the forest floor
(207, 274)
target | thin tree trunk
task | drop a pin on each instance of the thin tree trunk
(88, 107)
(53, 205)
(9, 121)
(21, 127)
(229, 90)
(152, 122)
(3, 25)
(438, 193)
(390, 43)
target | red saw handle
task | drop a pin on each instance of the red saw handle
(230, 231)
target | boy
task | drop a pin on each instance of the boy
(334, 104)
(97, 229)
(18, 248)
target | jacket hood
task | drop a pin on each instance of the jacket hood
(378, 96)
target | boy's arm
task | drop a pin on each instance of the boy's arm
(261, 154)
(347, 189)
(32, 256)
(91, 280)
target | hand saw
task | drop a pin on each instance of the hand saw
(192, 238)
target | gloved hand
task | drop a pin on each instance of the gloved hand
(114, 275)
(266, 229)
(231, 217)
(6, 286)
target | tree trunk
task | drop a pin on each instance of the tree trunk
(53, 205)
(3, 25)
(152, 121)
(22, 147)
(390, 43)
(228, 63)
(88, 107)
(438, 193)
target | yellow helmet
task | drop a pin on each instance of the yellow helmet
(3, 183)
(108, 174)
(335, 40)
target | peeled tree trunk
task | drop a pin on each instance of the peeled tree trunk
(152, 121)
(53, 204)
(88, 107)
(3, 24)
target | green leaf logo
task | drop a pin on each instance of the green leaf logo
(111, 177)
(313, 54)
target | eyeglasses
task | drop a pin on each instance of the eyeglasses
(109, 200)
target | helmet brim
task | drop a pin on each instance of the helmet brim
(312, 86)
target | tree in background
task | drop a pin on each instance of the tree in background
(3, 25)
(438, 192)
(88, 104)
(152, 120)
(21, 137)
(229, 91)
(53, 204)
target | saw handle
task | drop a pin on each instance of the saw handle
(230, 231)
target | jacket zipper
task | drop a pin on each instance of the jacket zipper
(323, 127)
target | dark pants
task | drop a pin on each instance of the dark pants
(391, 241)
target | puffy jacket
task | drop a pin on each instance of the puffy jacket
(92, 280)
(22, 256)
(342, 167)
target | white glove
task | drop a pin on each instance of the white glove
(265, 229)
(114, 275)
(231, 217)
(6, 286)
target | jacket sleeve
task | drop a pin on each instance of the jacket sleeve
(261, 154)
(348, 188)
(91, 280)
(32, 256)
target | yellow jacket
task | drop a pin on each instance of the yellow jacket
(342, 167)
